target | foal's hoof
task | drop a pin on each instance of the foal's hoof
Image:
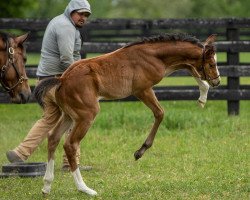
(45, 195)
(201, 104)
(137, 155)
(89, 191)
(46, 191)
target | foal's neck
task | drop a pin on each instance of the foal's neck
(179, 55)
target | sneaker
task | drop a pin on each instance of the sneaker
(66, 168)
(13, 157)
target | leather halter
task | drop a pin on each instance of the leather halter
(10, 62)
(206, 77)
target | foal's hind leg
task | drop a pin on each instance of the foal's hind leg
(149, 99)
(54, 137)
(83, 121)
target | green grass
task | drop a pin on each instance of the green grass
(244, 57)
(33, 58)
(197, 153)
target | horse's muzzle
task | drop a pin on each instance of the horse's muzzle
(21, 98)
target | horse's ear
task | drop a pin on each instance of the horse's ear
(2, 44)
(210, 40)
(21, 39)
(209, 51)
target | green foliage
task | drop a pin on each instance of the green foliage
(222, 8)
(48, 8)
(100, 9)
(149, 9)
(146, 9)
(15, 8)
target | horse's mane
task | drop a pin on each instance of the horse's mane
(168, 37)
(4, 36)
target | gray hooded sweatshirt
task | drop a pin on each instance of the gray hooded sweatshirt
(61, 42)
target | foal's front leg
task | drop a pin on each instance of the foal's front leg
(203, 88)
(149, 99)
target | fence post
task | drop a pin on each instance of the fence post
(233, 106)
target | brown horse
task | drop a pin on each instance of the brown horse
(12, 65)
(131, 70)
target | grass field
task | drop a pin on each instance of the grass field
(197, 154)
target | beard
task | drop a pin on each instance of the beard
(80, 24)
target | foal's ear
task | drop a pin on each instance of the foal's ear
(21, 39)
(210, 40)
(209, 51)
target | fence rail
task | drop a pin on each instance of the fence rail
(106, 35)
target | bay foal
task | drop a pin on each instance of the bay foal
(131, 70)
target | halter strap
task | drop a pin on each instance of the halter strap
(203, 62)
(10, 62)
(203, 66)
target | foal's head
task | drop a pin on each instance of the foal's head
(13, 76)
(208, 69)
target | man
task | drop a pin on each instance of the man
(60, 48)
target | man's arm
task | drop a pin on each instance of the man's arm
(66, 42)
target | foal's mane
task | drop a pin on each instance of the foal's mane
(182, 37)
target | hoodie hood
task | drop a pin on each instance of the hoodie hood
(76, 5)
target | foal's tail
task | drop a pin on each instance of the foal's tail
(43, 87)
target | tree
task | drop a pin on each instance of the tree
(222, 8)
(48, 8)
(169, 9)
(145, 9)
(15, 8)
(148, 9)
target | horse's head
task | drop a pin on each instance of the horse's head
(13, 76)
(209, 70)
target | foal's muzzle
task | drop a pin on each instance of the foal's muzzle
(215, 82)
